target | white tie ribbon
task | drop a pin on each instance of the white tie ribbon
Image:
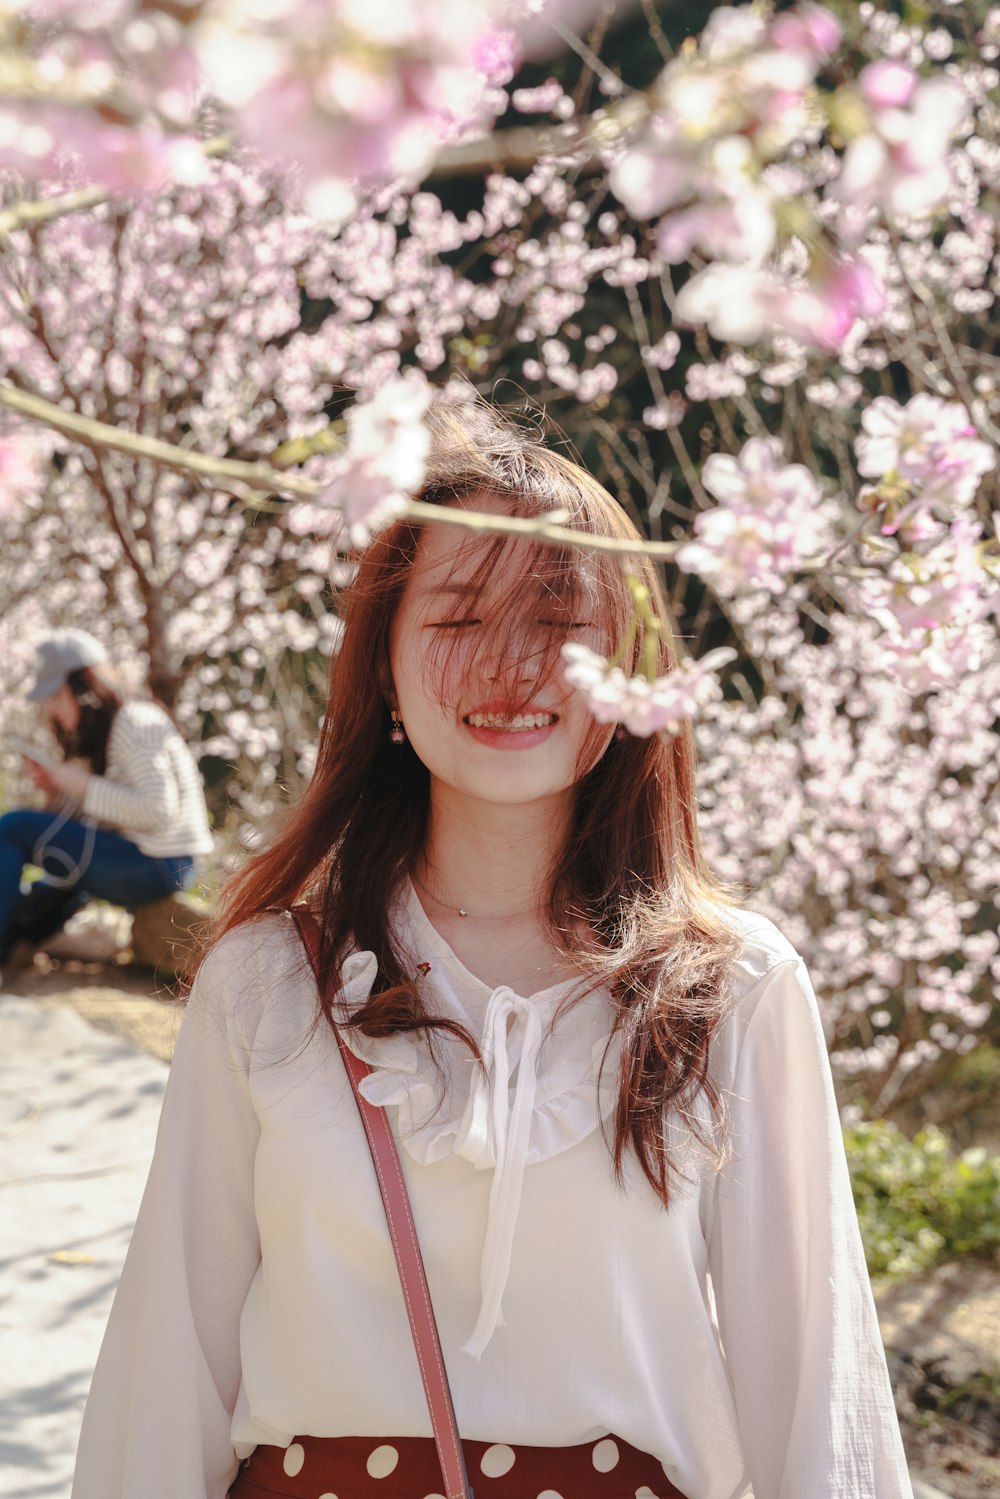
(495, 1131)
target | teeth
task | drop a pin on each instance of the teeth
(519, 721)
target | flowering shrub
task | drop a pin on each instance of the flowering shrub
(917, 1203)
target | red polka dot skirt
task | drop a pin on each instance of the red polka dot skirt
(407, 1468)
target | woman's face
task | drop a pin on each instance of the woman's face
(61, 709)
(475, 736)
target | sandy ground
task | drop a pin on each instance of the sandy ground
(941, 1332)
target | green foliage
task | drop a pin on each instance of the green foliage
(917, 1203)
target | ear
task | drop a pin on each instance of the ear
(387, 687)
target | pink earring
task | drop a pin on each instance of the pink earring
(396, 733)
(621, 731)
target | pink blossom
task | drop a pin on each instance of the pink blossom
(824, 310)
(127, 158)
(931, 445)
(901, 163)
(757, 479)
(645, 707)
(886, 84)
(730, 31)
(20, 473)
(935, 608)
(746, 303)
(770, 519)
(734, 301)
(385, 460)
(663, 354)
(736, 227)
(496, 55)
(943, 588)
(808, 28)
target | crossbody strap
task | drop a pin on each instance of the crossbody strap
(405, 1247)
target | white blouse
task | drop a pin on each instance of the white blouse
(734, 1336)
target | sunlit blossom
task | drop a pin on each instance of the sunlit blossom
(385, 460)
(927, 455)
(642, 706)
(770, 518)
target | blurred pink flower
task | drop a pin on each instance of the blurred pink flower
(496, 55)
(887, 84)
(900, 164)
(736, 227)
(808, 28)
(19, 472)
(645, 707)
(942, 588)
(731, 30)
(745, 303)
(735, 302)
(757, 479)
(141, 157)
(385, 460)
(824, 310)
(935, 609)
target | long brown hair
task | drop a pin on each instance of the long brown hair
(632, 867)
(98, 695)
(98, 699)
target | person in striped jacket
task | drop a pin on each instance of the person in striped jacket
(126, 819)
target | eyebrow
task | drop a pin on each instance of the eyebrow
(465, 588)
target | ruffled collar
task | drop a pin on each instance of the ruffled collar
(541, 1094)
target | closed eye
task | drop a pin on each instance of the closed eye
(554, 624)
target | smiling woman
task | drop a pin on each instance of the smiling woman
(608, 1080)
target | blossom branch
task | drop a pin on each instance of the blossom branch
(262, 477)
(42, 211)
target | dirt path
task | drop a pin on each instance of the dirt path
(941, 1332)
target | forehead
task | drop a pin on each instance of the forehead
(452, 560)
(449, 560)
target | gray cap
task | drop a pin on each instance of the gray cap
(60, 653)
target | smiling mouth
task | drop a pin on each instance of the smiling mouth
(512, 724)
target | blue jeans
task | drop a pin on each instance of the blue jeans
(80, 861)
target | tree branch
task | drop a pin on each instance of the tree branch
(24, 215)
(99, 436)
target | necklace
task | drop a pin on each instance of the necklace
(461, 911)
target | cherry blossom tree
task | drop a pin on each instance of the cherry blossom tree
(749, 274)
(170, 317)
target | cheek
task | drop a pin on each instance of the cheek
(418, 684)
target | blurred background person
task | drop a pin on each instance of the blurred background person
(130, 822)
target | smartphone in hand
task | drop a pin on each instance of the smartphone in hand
(24, 747)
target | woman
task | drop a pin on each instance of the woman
(608, 1082)
(131, 820)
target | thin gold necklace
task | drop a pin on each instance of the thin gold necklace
(461, 911)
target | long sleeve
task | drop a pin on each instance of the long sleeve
(157, 1423)
(796, 1314)
(146, 797)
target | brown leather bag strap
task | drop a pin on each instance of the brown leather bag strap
(405, 1247)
